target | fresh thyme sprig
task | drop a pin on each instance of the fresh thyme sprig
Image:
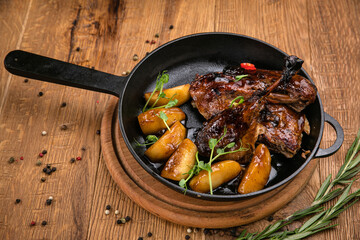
(201, 165)
(150, 139)
(160, 81)
(322, 219)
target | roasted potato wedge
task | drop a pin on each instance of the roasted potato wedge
(150, 122)
(222, 172)
(257, 174)
(167, 144)
(181, 161)
(181, 93)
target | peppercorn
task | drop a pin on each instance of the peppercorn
(206, 231)
(118, 221)
(107, 212)
(152, 42)
(147, 41)
(127, 218)
(21, 158)
(98, 132)
(41, 154)
(11, 160)
(72, 160)
(43, 179)
(51, 198)
(187, 237)
(140, 238)
(40, 94)
(63, 104)
(157, 35)
(43, 223)
(48, 171)
(149, 234)
(117, 212)
(188, 230)
(53, 169)
(44, 152)
(122, 220)
(45, 170)
(26, 80)
(63, 127)
(48, 166)
(33, 223)
(17, 201)
(171, 27)
(77, 49)
(83, 149)
(43, 133)
(108, 207)
(48, 201)
(78, 158)
(135, 57)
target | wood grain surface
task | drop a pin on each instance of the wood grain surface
(106, 35)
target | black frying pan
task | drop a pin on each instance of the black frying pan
(183, 58)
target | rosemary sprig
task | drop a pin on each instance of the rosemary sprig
(322, 220)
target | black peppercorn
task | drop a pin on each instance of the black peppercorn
(118, 221)
(187, 237)
(77, 49)
(98, 132)
(44, 152)
(63, 127)
(48, 171)
(127, 218)
(40, 94)
(149, 234)
(45, 170)
(53, 169)
(43, 223)
(140, 238)
(171, 27)
(108, 207)
(48, 166)
(17, 201)
(48, 201)
(72, 160)
(26, 80)
(43, 179)
(11, 160)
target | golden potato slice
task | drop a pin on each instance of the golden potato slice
(150, 122)
(182, 94)
(222, 172)
(182, 160)
(257, 174)
(167, 144)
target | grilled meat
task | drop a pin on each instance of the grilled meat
(247, 121)
(212, 93)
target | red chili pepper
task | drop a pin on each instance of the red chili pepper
(248, 66)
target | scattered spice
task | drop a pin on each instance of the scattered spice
(152, 42)
(43, 133)
(43, 179)
(127, 72)
(140, 238)
(78, 158)
(63, 127)
(127, 218)
(108, 207)
(41, 154)
(38, 163)
(44, 170)
(157, 35)
(206, 231)
(135, 57)
(147, 41)
(41, 94)
(63, 104)
(188, 230)
(187, 237)
(48, 171)
(171, 27)
(17, 201)
(11, 160)
(33, 223)
(48, 166)
(51, 198)
(149, 234)
(83, 148)
(123, 220)
(48, 201)
(53, 169)
(72, 160)
(21, 158)
(107, 212)
(44, 152)
(117, 212)
(77, 49)
(26, 80)
(123, 73)
(118, 221)
(43, 223)
(98, 132)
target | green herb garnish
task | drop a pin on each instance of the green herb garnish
(323, 218)
(234, 103)
(201, 165)
(163, 116)
(150, 139)
(160, 81)
(239, 77)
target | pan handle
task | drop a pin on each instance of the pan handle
(46, 69)
(339, 138)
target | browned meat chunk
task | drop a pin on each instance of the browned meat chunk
(212, 93)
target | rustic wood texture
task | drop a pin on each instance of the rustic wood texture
(106, 35)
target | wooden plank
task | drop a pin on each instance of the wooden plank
(334, 35)
(123, 30)
(49, 32)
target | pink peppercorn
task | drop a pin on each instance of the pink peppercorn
(32, 223)
(21, 158)
(78, 158)
(41, 154)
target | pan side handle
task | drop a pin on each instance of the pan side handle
(46, 69)
(339, 138)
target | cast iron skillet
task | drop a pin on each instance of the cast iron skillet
(183, 58)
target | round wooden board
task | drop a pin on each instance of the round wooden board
(176, 207)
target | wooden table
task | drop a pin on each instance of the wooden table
(106, 35)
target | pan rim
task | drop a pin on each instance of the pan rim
(207, 196)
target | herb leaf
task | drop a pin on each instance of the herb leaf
(239, 77)
(163, 116)
(150, 139)
(160, 81)
(234, 103)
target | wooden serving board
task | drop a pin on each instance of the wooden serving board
(176, 207)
